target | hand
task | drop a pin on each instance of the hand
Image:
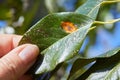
(16, 60)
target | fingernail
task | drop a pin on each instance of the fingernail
(29, 53)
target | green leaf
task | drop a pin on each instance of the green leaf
(49, 30)
(52, 5)
(103, 67)
(63, 50)
(110, 53)
(90, 8)
(113, 74)
(78, 68)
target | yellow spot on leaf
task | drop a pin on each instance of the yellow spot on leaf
(69, 27)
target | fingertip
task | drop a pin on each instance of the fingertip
(29, 53)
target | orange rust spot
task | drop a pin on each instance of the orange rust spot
(69, 27)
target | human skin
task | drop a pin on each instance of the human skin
(16, 60)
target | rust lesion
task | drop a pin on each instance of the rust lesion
(68, 27)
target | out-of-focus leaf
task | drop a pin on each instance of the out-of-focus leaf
(79, 68)
(48, 30)
(90, 8)
(110, 53)
(29, 15)
(112, 74)
(51, 5)
(105, 65)
(10, 10)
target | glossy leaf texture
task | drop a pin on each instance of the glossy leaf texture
(106, 67)
(90, 8)
(49, 29)
(63, 50)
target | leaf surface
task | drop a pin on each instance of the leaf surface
(48, 31)
(63, 50)
(90, 8)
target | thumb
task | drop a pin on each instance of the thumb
(14, 64)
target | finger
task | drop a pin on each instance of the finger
(14, 64)
(8, 42)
